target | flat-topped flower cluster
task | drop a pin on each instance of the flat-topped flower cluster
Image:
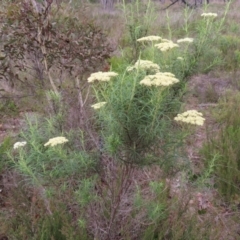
(98, 105)
(191, 116)
(166, 45)
(145, 65)
(185, 40)
(159, 79)
(101, 76)
(149, 39)
(51, 142)
(209, 15)
(19, 144)
(55, 141)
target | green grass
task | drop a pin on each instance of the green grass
(225, 146)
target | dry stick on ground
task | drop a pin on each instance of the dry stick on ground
(82, 112)
(42, 40)
(183, 1)
(44, 52)
(125, 183)
(40, 191)
(113, 189)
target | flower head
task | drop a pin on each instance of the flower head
(166, 40)
(209, 15)
(101, 76)
(55, 141)
(149, 39)
(145, 65)
(159, 79)
(191, 116)
(19, 144)
(168, 74)
(185, 40)
(165, 46)
(180, 58)
(98, 105)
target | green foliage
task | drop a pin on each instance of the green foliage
(53, 176)
(229, 46)
(211, 94)
(31, 221)
(8, 108)
(51, 228)
(4, 147)
(156, 209)
(41, 164)
(206, 54)
(57, 111)
(139, 17)
(225, 146)
(118, 64)
(175, 220)
(136, 118)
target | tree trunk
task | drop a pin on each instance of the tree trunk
(107, 4)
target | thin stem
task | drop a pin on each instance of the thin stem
(169, 26)
(44, 53)
(160, 90)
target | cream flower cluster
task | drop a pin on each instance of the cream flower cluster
(166, 40)
(159, 79)
(209, 15)
(145, 65)
(191, 116)
(55, 141)
(19, 144)
(98, 105)
(166, 45)
(185, 40)
(149, 39)
(101, 76)
(180, 58)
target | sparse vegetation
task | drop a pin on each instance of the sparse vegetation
(225, 146)
(118, 140)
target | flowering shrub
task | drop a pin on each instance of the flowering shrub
(136, 117)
